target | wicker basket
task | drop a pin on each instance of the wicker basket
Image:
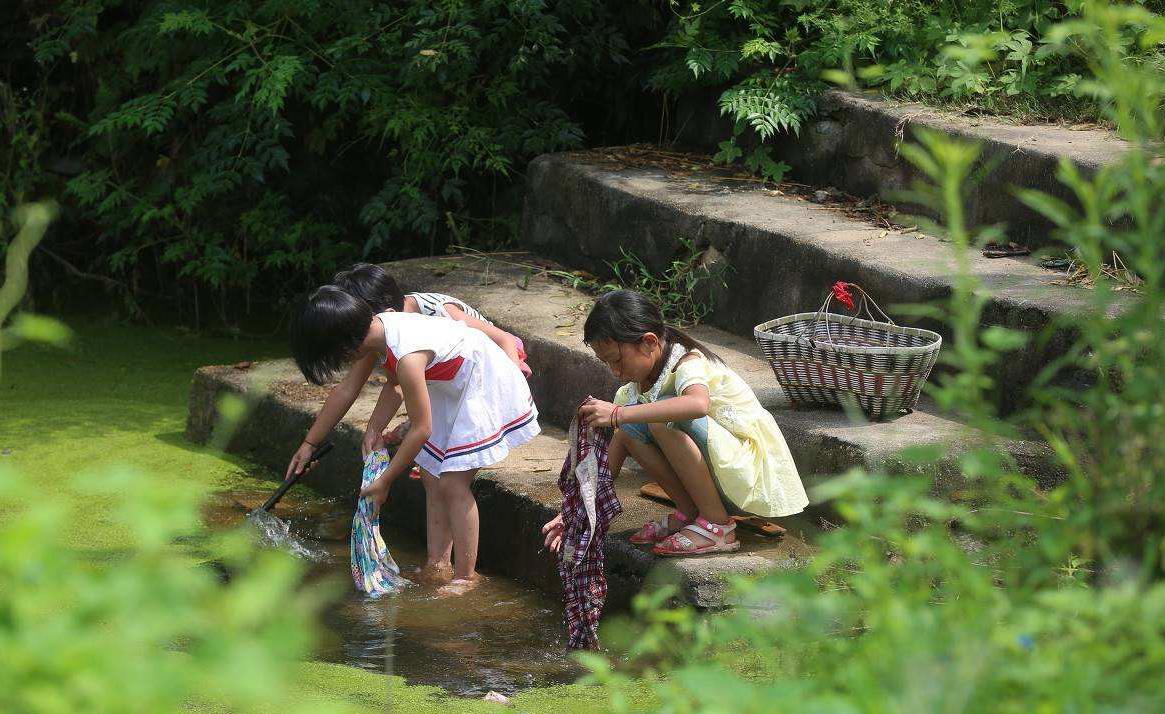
(822, 358)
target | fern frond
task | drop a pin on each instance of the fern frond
(279, 74)
(769, 105)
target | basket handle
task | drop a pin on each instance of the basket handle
(822, 315)
(865, 304)
(862, 308)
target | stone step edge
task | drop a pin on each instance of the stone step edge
(1014, 284)
(852, 143)
(783, 254)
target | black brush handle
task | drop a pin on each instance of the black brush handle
(318, 454)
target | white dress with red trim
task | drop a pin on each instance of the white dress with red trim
(480, 401)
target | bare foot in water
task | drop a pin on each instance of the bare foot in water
(432, 574)
(459, 586)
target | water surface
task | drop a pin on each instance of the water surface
(502, 636)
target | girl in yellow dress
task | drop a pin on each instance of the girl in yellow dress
(693, 424)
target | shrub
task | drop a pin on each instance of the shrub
(259, 144)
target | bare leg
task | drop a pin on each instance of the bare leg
(657, 467)
(685, 458)
(461, 508)
(438, 532)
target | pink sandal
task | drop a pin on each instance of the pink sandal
(653, 532)
(679, 544)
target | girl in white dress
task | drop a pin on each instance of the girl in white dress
(372, 284)
(467, 401)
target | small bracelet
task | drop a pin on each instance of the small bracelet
(314, 446)
(618, 416)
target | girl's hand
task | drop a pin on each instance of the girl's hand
(522, 366)
(378, 492)
(553, 534)
(597, 413)
(300, 461)
(372, 442)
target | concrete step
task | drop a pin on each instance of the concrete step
(549, 317)
(852, 143)
(514, 497)
(782, 252)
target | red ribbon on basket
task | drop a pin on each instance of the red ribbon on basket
(842, 293)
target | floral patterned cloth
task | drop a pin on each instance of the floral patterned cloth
(373, 569)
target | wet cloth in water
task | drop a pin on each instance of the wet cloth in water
(589, 504)
(373, 569)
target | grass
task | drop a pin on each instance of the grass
(118, 396)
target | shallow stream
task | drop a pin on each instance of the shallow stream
(502, 636)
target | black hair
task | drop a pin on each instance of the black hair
(326, 332)
(626, 316)
(373, 285)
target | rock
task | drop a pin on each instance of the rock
(497, 698)
(820, 196)
(710, 258)
(245, 364)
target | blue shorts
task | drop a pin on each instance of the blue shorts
(695, 428)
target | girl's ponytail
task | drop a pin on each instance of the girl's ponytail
(679, 337)
(626, 316)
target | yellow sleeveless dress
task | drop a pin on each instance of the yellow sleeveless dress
(747, 453)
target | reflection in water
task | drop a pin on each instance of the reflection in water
(501, 636)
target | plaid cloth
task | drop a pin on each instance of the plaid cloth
(589, 504)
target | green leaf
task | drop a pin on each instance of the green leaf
(728, 153)
(196, 22)
(839, 77)
(1002, 339)
(1050, 207)
(29, 327)
(279, 74)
